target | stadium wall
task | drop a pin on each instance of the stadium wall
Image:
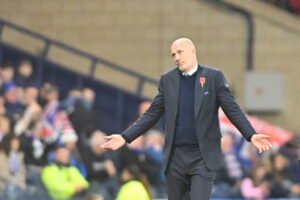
(137, 34)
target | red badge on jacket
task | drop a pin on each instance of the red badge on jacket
(202, 81)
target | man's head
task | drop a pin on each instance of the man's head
(30, 94)
(36, 129)
(96, 140)
(62, 155)
(52, 94)
(88, 95)
(143, 107)
(25, 68)
(183, 52)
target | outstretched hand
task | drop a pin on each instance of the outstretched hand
(261, 142)
(114, 142)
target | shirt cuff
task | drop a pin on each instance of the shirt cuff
(250, 137)
(125, 138)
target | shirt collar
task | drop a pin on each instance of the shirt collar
(190, 73)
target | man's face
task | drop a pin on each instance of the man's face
(184, 55)
(25, 70)
(62, 155)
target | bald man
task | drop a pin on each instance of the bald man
(190, 96)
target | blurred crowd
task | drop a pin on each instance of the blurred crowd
(292, 6)
(50, 146)
(274, 174)
(50, 149)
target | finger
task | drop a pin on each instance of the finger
(266, 148)
(109, 137)
(264, 136)
(267, 144)
(105, 145)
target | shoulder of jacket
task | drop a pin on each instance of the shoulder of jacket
(170, 72)
(210, 69)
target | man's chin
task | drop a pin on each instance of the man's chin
(180, 68)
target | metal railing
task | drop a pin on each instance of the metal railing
(94, 60)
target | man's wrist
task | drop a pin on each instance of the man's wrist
(250, 138)
(125, 138)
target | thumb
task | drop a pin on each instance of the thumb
(264, 136)
(109, 137)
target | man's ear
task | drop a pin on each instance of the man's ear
(194, 51)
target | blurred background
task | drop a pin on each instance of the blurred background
(75, 71)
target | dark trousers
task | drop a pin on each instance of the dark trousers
(187, 176)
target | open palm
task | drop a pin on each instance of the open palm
(261, 142)
(114, 142)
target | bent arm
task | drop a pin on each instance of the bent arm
(141, 125)
(148, 119)
(231, 108)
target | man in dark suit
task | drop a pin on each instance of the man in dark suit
(190, 96)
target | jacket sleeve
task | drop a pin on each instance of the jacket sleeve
(149, 118)
(231, 108)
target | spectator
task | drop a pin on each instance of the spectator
(147, 159)
(94, 197)
(14, 108)
(228, 177)
(2, 105)
(35, 150)
(154, 143)
(291, 151)
(282, 185)
(135, 185)
(73, 97)
(100, 168)
(12, 169)
(288, 5)
(295, 6)
(231, 161)
(24, 76)
(84, 116)
(55, 122)
(143, 107)
(131, 154)
(68, 140)
(61, 180)
(32, 111)
(4, 128)
(6, 76)
(258, 185)
(42, 98)
(35, 153)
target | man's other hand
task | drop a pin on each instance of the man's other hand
(114, 142)
(261, 142)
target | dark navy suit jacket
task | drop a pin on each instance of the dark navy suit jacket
(209, 96)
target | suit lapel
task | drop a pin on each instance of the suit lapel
(175, 84)
(199, 90)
